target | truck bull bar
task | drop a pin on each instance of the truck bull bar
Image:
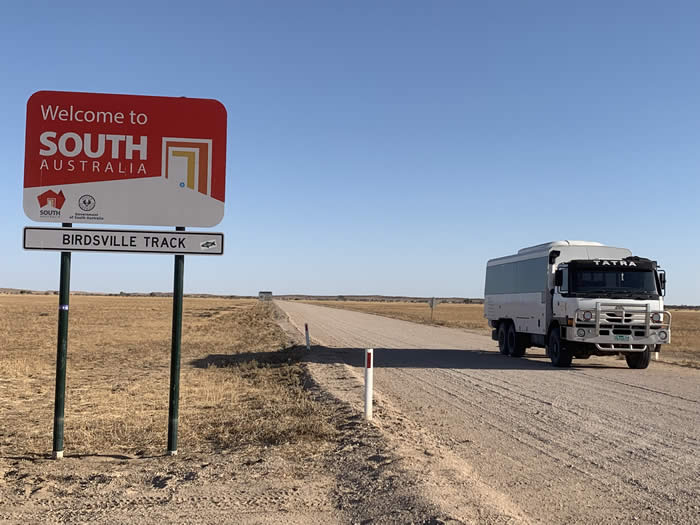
(634, 320)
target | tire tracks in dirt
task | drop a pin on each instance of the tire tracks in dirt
(597, 442)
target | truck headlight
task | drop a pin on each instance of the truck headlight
(656, 317)
(587, 315)
(663, 335)
(580, 332)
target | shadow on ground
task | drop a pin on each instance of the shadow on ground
(33, 457)
(272, 358)
(403, 358)
(447, 358)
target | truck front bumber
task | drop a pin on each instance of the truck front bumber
(609, 343)
(616, 327)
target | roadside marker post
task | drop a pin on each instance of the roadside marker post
(369, 382)
(308, 341)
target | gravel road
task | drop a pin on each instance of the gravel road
(505, 440)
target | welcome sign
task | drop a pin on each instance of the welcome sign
(124, 159)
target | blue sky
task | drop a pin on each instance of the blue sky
(387, 147)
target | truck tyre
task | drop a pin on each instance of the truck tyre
(560, 356)
(639, 359)
(516, 348)
(503, 337)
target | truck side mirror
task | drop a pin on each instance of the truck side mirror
(662, 282)
(558, 278)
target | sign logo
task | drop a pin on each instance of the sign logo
(207, 245)
(87, 202)
(51, 199)
(188, 163)
(614, 263)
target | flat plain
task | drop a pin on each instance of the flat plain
(685, 329)
(118, 375)
(268, 433)
(257, 442)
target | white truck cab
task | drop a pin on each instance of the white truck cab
(577, 299)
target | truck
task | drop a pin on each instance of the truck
(577, 299)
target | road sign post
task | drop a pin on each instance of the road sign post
(61, 354)
(174, 405)
(96, 158)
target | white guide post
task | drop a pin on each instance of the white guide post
(369, 379)
(308, 341)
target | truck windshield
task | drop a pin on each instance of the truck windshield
(614, 282)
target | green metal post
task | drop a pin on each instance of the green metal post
(61, 354)
(173, 411)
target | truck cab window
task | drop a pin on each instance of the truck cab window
(612, 281)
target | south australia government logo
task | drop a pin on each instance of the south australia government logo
(87, 203)
(125, 159)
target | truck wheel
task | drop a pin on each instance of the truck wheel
(559, 355)
(503, 337)
(516, 348)
(639, 359)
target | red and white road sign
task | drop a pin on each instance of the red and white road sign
(124, 159)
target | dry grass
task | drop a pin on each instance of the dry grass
(684, 349)
(685, 337)
(240, 383)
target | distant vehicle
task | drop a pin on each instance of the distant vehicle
(577, 299)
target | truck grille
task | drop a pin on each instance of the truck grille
(625, 319)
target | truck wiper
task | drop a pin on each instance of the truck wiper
(613, 293)
(643, 295)
(631, 295)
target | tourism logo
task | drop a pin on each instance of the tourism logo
(187, 162)
(51, 203)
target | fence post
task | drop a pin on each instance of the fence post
(308, 341)
(369, 380)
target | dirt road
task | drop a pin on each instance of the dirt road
(499, 439)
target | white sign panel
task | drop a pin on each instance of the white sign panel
(129, 241)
